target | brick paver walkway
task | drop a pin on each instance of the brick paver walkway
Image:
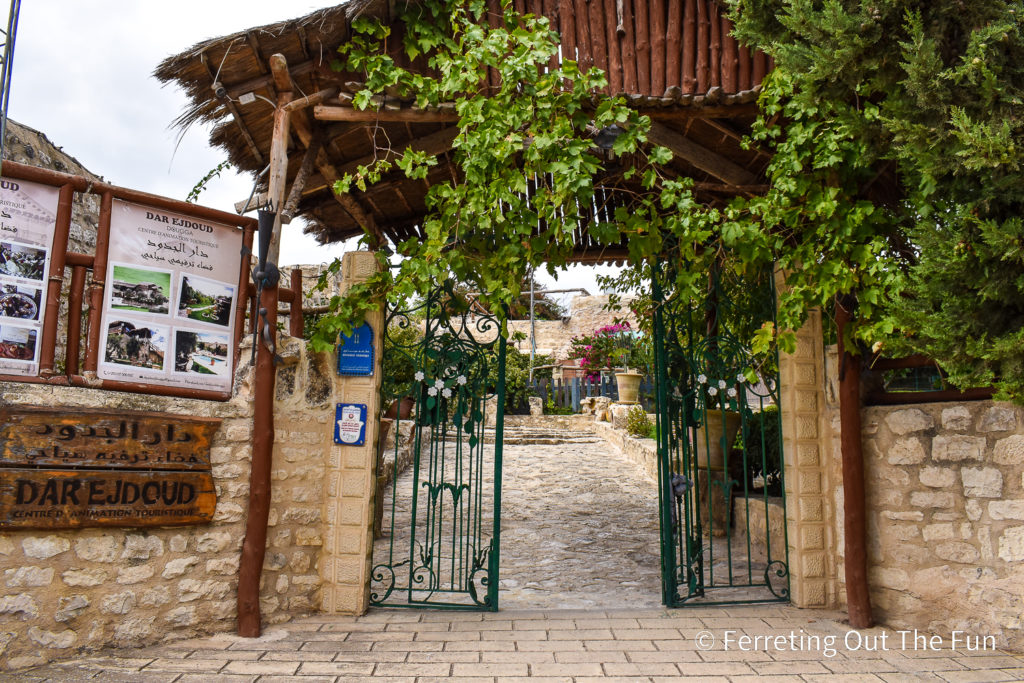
(707, 644)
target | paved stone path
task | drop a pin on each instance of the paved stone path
(579, 528)
(592, 646)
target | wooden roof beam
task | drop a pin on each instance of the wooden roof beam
(330, 113)
(701, 157)
(235, 114)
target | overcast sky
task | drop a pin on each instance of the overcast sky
(83, 76)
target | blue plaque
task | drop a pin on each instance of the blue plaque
(350, 424)
(355, 352)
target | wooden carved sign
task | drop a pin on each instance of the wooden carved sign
(73, 468)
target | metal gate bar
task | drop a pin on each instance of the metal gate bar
(709, 388)
(434, 551)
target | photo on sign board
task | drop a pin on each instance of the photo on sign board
(203, 353)
(137, 344)
(140, 289)
(17, 343)
(20, 302)
(205, 300)
(22, 260)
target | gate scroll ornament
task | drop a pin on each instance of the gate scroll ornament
(707, 379)
(441, 525)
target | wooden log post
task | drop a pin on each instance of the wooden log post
(254, 547)
(858, 598)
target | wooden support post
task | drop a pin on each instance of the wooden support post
(858, 598)
(254, 547)
(54, 280)
(295, 322)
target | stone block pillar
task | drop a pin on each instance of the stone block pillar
(348, 500)
(809, 509)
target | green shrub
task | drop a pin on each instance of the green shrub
(637, 422)
(517, 378)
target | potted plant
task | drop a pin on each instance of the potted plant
(721, 423)
(633, 355)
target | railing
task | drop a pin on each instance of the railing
(916, 387)
(568, 392)
(80, 369)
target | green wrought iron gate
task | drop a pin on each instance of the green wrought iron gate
(720, 474)
(437, 522)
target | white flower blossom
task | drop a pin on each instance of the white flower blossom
(432, 391)
(713, 391)
(741, 378)
(722, 384)
(419, 375)
(461, 379)
(446, 392)
(439, 383)
(702, 379)
(732, 392)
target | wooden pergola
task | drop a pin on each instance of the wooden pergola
(674, 60)
(281, 112)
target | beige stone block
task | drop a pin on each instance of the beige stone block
(904, 516)
(811, 510)
(888, 577)
(906, 451)
(812, 537)
(984, 534)
(1011, 544)
(118, 603)
(23, 605)
(932, 499)
(41, 548)
(807, 427)
(84, 577)
(348, 600)
(902, 532)
(937, 532)
(805, 373)
(973, 509)
(807, 400)
(998, 418)
(813, 593)
(937, 477)
(813, 565)
(58, 640)
(136, 574)
(1009, 451)
(28, 577)
(356, 484)
(982, 482)
(808, 455)
(308, 537)
(810, 483)
(909, 420)
(1006, 509)
(957, 551)
(956, 418)
(954, 448)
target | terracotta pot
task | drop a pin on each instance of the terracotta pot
(401, 408)
(629, 386)
(714, 435)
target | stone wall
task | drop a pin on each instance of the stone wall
(586, 314)
(62, 591)
(945, 503)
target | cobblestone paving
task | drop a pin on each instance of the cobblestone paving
(579, 529)
(713, 645)
(578, 521)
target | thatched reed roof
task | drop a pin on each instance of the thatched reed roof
(689, 75)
